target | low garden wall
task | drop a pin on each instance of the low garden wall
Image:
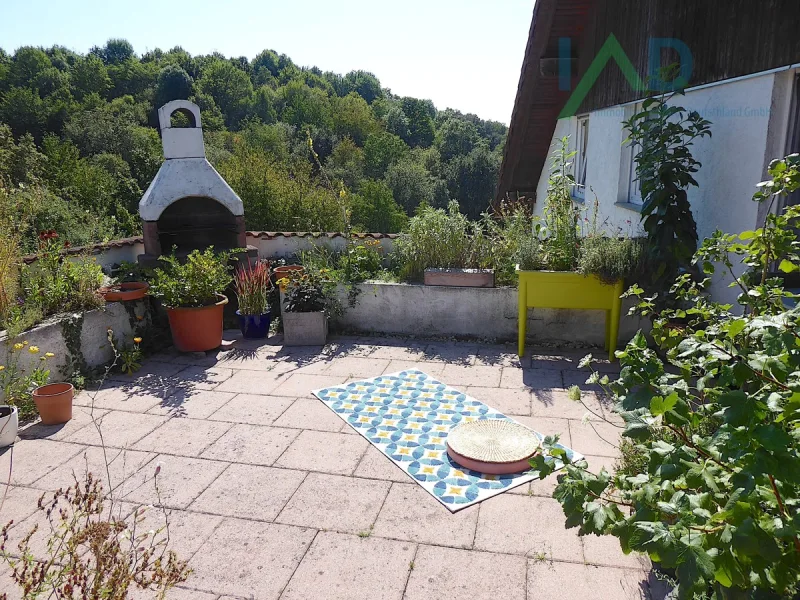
(79, 340)
(490, 313)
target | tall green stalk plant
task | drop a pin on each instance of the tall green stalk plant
(663, 136)
(561, 216)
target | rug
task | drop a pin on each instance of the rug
(407, 416)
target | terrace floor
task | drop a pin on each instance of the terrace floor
(271, 495)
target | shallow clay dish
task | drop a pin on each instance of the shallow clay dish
(492, 446)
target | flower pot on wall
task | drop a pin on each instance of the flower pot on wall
(54, 402)
(254, 327)
(9, 423)
(305, 329)
(197, 329)
(122, 292)
(460, 277)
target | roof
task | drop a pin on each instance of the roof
(744, 38)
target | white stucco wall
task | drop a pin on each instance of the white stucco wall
(748, 129)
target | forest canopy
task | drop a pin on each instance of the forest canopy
(79, 141)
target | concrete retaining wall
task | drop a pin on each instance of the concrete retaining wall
(49, 336)
(472, 312)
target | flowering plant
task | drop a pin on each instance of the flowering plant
(18, 379)
(310, 291)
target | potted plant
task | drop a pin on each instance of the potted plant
(20, 379)
(307, 300)
(129, 284)
(557, 267)
(192, 292)
(252, 285)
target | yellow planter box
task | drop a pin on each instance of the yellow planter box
(554, 289)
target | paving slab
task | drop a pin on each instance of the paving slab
(191, 404)
(184, 437)
(346, 567)
(452, 573)
(534, 379)
(460, 376)
(180, 480)
(557, 403)
(252, 382)
(527, 525)
(508, 401)
(300, 385)
(376, 465)
(119, 429)
(547, 579)
(115, 395)
(249, 559)
(118, 463)
(251, 444)
(596, 438)
(411, 513)
(333, 502)
(323, 451)
(309, 413)
(249, 492)
(205, 378)
(605, 550)
(252, 409)
(81, 417)
(32, 459)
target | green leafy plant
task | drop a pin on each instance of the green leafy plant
(663, 136)
(199, 281)
(713, 420)
(253, 285)
(612, 259)
(129, 356)
(308, 292)
(561, 232)
(438, 238)
(20, 376)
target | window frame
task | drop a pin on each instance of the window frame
(581, 156)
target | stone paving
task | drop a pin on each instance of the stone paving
(271, 495)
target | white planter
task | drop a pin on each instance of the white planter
(305, 329)
(9, 423)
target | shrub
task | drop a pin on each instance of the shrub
(19, 377)
(612, 259)
(436, 238)
(714, 418)
(199, 281)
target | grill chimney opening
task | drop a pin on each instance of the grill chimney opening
(195, 223)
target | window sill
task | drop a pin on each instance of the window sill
(637, 208)
(578, 199)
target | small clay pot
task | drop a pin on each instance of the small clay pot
(54, 402)
(132, 290)
(197, 329)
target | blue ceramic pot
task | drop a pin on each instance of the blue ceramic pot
(254, 326)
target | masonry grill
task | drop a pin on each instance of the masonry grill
(188, 205)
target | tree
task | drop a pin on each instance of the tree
(397, 122)
(27, 65)
(24, 112)
(456, 137)
(173, 84)
(301, 106)
(266, 59)
(363, 83)
(375, 210)
(264, 105)
(382, 150)
(346, 163)
(472, 180)
(230, 88)
(353, 118)
(89, 76)
(420, 122)
(116, 51)
(410, 183)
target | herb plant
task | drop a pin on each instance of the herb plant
(199, 281)
(714, 419)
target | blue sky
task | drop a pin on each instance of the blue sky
(463, 54)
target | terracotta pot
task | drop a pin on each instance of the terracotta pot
(197, 329)
(133, 290)
(54, 402)
(286, 269)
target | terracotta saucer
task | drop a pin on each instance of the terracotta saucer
(492, 446)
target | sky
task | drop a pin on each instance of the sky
(463, 54)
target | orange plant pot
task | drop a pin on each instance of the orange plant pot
(197, 329)
(54, 402)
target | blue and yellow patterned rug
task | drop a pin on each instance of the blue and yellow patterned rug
(407, 416)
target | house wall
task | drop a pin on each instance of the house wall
(748, 129)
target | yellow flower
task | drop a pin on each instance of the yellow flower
(137, 340)
(2, 367)
(34, 349)
(18, 346)
(25, 343)
(49, 354)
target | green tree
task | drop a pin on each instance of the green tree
(420, 122)
(382, 150)
(266, 59)
(24, 112)
(363, 83)
(375, 210)
(116, 51)
(346, 163)
(353, 118)
(411, 184)
(456, 137)
(89, 76)
(174, 83)
(300, 105)
(230, 88)
(27, 65)
(472, 180)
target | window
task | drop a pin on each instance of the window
(634, 185)
(630, 188)
(582, 144)
(793, 136)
